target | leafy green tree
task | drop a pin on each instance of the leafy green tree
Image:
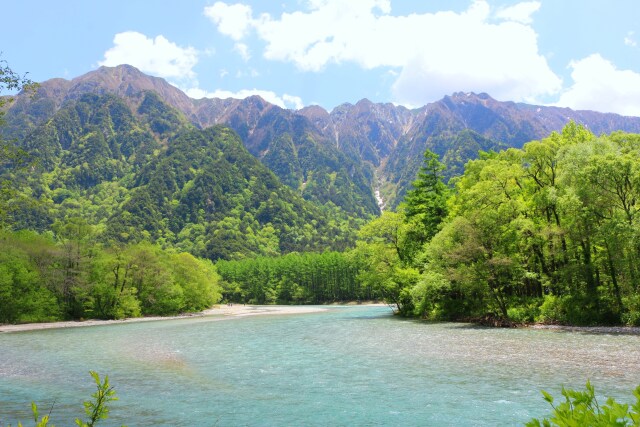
(153, 279)
(23, 298)
(111, 294)
(384, 267)
(11, 157)
(425, 205)
(198, 280)
(76, 238)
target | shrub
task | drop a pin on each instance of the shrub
(632, 316)
(525, 313)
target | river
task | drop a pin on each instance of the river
(345, 366)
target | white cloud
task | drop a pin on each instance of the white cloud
(160, 57)
(464, 52)
(243, 51)
(629, 40)
(294, 101)
(334, 31)
(157, 56)
(599, 85)
(520, 12)
(232, 20)
(434, 53)
(284, 101)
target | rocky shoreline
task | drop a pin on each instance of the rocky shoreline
(499, 322)
(616, 330)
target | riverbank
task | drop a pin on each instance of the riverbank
(239, 310)
(222, 311)
(498, 322)
(619, 330)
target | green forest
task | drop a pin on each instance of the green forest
(112, 208)
(546, 233)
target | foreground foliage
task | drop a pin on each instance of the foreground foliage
(95, 410)
(581, 408)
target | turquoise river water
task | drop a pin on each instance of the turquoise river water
(356, 366)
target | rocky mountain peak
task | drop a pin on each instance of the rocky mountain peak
(257, 102)
(314, 112)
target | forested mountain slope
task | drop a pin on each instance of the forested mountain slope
(138, 170)
(287, 143)
(341, 156)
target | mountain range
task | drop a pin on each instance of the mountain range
(359, 157)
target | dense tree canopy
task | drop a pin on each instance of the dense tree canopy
(547, 232)
(66, 274)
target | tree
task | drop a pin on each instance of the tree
(198, 280)
(23, 297)
(426, 204)
(11, 81)
(380, 251)
(76, 238)
(11, 157)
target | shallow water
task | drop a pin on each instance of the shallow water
(346, 366)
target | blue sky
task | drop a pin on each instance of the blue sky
(583, 54)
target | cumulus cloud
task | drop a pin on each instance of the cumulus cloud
(520, 12)
(163, 58)
(232, 20)
(157, 56)
(466, 52)
(284, 101)
(599, 85)
(434, 53)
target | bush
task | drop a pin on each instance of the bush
(568, 310)
(429, 294)
(524, 314)
(632, 315)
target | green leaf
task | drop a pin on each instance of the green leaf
(34, 410)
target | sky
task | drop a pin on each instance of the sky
(582, 54)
